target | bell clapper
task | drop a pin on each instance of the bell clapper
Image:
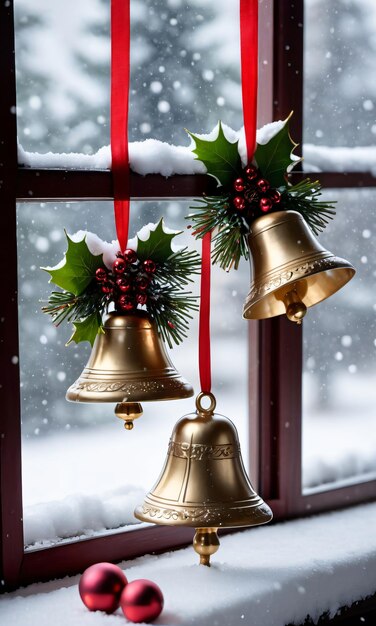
(295, 308)
(206, 543)
(128, 411)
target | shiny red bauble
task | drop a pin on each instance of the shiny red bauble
(275, 196)
(141, 601)
(101, 274)
(119, 266)
(123, 284)
(141, 298)
(126, 303)
(149, 266)
(251, 172)
(101, 586)
(239, 184)
(263, 185)
(130, 256)
(239, 203)
(265, 204)
(142, 283)
(107, 288)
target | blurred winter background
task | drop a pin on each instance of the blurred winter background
(82, 473)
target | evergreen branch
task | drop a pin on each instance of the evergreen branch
(179, 268)
(230, 241)
(64, 305)
(303, 198)
(172, 312)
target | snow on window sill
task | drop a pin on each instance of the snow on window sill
(271, 575)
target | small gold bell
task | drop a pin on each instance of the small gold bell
(129, 365)
(291, 270)
(203, 483)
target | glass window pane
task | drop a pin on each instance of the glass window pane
(184, 62)
(339, 82)
(339, 392)
(82, 472)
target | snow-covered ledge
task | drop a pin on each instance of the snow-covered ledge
(267, 576)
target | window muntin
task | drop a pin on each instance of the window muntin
(339, 358)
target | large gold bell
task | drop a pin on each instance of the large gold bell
(129, 365)
(291, 270)
(203, 483)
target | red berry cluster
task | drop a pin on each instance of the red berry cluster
(254, 193)
(128, 282)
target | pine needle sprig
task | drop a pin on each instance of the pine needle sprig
(179, 268)
(172, 311)
(304, 198)
(230, 240)
(64, 305)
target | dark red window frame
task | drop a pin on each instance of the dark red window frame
(275, 390)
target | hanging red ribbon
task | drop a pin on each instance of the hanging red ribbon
(204, 323)
(249, 70)
(249, 76)
(120, 76)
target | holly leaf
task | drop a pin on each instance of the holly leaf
(220, 157)
(87, 329)
(76, 271)
(274, 158)
(158, 245)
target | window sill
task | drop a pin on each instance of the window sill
(270, 575)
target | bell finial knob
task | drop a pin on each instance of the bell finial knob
(206, 543)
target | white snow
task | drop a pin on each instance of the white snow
(268, 576)
(340, 159)
(158, 157)
(80, 515)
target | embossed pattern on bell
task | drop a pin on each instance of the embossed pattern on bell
(286, 255)
(129, 363)
(203, 482)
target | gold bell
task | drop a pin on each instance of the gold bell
(291, 270)
(203, 483)
(129, 365)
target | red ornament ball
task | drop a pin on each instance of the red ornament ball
(126, 303)
(142, 283)
(101, 274)
(123, 284)
(141, 601)
(101, 586)
(149, 266)
(107, 288)
(251, 172)
(239, 184)
(119, 266)
(265, 204)
(239, 203)
(130, 256)
(263, 185)
(141, 298)
(275, 196)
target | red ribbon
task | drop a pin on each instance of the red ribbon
(204, 323)
(249, 74)
(249, 70)
(120, 76)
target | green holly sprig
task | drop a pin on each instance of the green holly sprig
(250, 192)
(152, 277)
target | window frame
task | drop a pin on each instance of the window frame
(274, 389)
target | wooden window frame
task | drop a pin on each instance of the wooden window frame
(275, 390)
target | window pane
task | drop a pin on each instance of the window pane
(185, 71)
(82, 472)
(339, 393)
(340, 84)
